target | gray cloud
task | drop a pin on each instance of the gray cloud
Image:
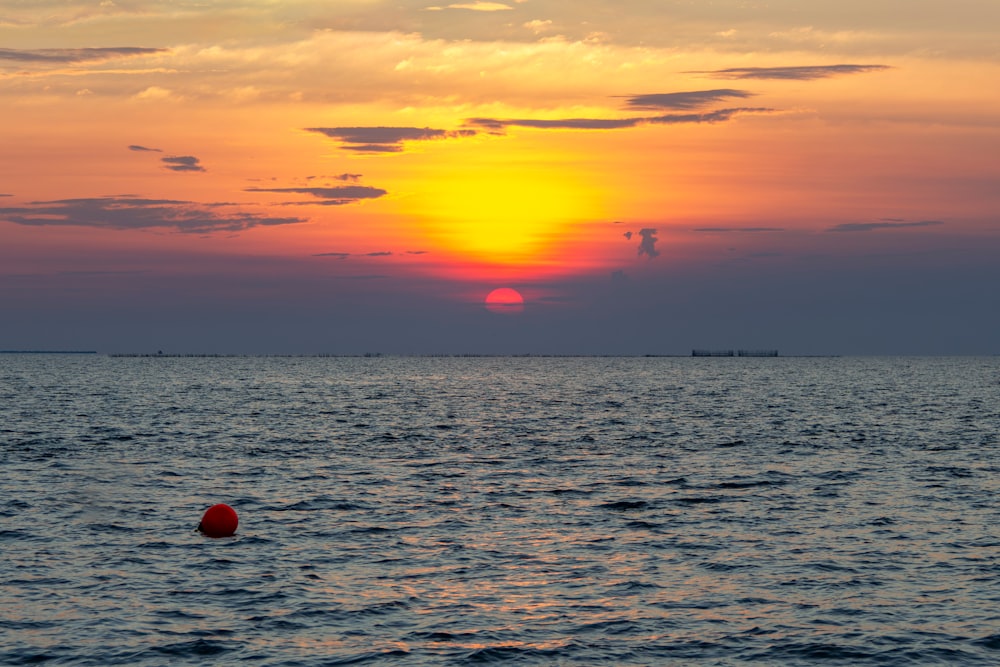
(380, 253)
(800, 73)
(353, 178)
(686, 100)
(872, 226)
(345, 255)
(336, 196)
(648, 244)
(183, 163)
(374, 148)
(128, 212)
(735, 230)
(719, 115)
(141, 149)
(385, 139)
(562, 123)
(74, 55)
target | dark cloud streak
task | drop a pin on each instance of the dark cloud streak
(183, 163)
(556, 124)
(131, 213)
(385, 139)
(799, 73)
(345, 255)
(686, 100)
(716, 116)
(873, 226)
(375, 148)
(336, 196)
(736, 230)
(74, 55)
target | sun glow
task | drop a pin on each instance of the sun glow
(503, 214)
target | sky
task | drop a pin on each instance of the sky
(355, 176)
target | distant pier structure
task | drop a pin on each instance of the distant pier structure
(734, 353)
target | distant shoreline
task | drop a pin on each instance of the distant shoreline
(373, 355)
(48, 351)
(467, 355)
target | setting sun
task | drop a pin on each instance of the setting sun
(505, 300)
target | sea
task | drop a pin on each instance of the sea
(500, 510)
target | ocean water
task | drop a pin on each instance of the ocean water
(465, 511)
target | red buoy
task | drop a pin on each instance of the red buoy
(219, 521)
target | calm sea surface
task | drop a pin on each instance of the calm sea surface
(566, 511)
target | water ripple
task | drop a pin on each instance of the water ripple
(477, 511)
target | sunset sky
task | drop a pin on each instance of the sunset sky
(356, 176)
